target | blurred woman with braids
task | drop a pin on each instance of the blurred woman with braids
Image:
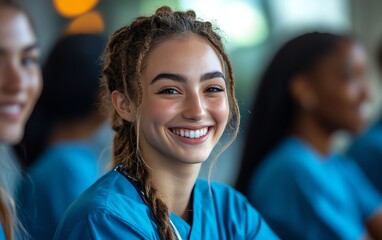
(314, 86)
(171, 84)
(20, 86)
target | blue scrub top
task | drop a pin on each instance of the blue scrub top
(2, 234)
(367, 152)
(59, 177)
(113, 208)
(304, 195)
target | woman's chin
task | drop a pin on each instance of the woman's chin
(11, 134)
(193, 159)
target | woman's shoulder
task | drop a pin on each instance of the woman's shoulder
(221, 191)
(71, 158)
(368, 143)
(231, 211)
(290, 157)
(293, 166)
(111, 201)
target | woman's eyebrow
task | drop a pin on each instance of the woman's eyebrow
(171, 76)
(28, 48)
(182, 79)
(31, 47)
(212, 75)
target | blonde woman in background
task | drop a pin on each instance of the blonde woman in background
(20, 86)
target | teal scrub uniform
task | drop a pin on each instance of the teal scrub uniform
(366, 150)
(113, 208)
(2, 235)
(305, 195)
(59, 177)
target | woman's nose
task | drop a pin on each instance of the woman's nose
(364, 90)
(194, 108)
(14, 79)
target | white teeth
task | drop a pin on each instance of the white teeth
(197, 133)
(10, 109)
(191, 133)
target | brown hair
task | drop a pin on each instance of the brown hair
(8, 219)
(6, 213)
(124, 56)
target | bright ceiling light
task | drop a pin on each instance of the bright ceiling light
(73, 8)
(90, 23)
(241, 22)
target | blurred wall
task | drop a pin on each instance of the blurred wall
(253, 30)
(366, 20)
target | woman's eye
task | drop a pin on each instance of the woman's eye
(27, 61)
(215, 89)
(348, 76)
(169, 91)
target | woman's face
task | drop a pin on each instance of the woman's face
(20, 76)
(185, 105)
(341, 87)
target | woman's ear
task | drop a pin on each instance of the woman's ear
(303, 93)
(123, 106)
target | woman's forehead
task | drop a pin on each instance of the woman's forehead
(188, 55)
(15, 30)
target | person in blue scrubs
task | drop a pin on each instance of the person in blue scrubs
(171, 88)
(366, 149)
(315, 85)
(20, 87)
(69, 163)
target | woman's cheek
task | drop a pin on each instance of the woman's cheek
(219, 109)
(162, 109)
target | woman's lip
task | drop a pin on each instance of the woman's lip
(192, 127)
(10, 111)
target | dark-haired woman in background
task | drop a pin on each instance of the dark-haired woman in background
(366, 150)
(70, 107)
(315, 85)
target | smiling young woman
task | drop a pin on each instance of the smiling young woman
(172, 88)
(19, 71)
(20, 86)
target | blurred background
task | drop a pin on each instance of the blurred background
(253, 31)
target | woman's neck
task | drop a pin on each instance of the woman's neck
(174, 182)
(309, 129)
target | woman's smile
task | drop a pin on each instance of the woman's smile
(191, 136)
(10, 111)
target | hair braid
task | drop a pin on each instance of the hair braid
(124, 59)
(5, 216)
